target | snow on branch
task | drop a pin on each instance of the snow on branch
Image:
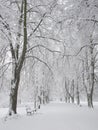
(44, 48)
(37, 26)
(43, 37)
(40, 60)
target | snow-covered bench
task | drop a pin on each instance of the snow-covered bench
(30, 111)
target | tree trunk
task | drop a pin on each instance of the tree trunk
(72, 99)
(77, 95)
(78, 98)
(17, 66)
(91, 83)
(89, 87)
(13, 96)
(89, 99)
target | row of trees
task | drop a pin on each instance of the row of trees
(84, 28)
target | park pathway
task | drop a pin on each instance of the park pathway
(55, 116)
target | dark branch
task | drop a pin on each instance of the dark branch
(44, 48)
(43, 37)
(34, 57)
(37, 26)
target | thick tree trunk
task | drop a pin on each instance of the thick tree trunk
(90, 101)
(78, 98)
(72, 99)
(14, 90)
(17, 66)
(13, 97)
(89, 87)
(91, 83)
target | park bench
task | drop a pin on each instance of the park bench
(30, 110)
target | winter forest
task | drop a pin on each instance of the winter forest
(48, 59)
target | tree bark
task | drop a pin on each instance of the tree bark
(91, 83)
(77, 95)
(72, 91)
(89, 99)
(14, 95)
(17, 66)
(89, 87)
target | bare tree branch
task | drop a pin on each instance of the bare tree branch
(44, 48)
(34, 57)
(50, 38)
(37, 26)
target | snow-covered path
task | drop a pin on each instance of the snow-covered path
(56, 116)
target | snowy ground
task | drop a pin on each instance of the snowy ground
(54, 116)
